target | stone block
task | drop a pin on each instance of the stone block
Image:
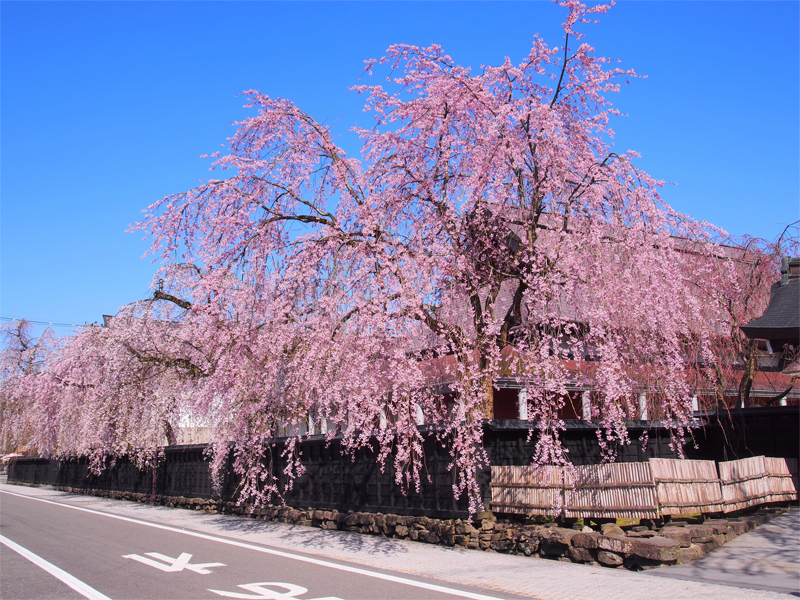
(615, 543)
(444, 529)
(401, 531)
(580, 555)
(679, 534)
(720, 526)
(701, 534)
(730, 534)
(556, 541)
(585, 540)
(548, 547)
(461, 540)
(689, 554)
(658, 549)
(561, 534)
(611, 529)
(528, 548)
(365, 518)
(750, 522)
(641, 534)
(609, 559)
(502, 545)
(738, 527)
(709, 546)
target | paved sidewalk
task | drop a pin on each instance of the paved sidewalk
(531, 577)
(767, 558)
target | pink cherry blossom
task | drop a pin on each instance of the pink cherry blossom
(489, 230)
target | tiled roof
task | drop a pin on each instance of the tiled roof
(781, 321)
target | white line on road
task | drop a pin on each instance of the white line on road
(76, 584)
(174, 565)
(314, 561)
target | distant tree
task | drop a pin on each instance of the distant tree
(23, 357)
(489, 230)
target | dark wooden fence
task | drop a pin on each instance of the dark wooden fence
(334, 480)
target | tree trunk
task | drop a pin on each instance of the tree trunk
(746, 384)
(487, 404)
(719, 389)
(153, 487)
(169, 433)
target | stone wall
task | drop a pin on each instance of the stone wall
(636, 547)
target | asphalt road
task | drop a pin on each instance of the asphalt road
(119, 549)
(53, 550)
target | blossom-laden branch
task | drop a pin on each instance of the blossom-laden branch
(489, 231)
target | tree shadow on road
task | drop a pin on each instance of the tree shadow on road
(310, 538)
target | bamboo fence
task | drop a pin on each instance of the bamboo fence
(755, 480)
(613, 490)
(686, 486)
(528, 490)
(781, 483)
(642, 490)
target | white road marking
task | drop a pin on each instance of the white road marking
(76, 584)
(261, 593)
(173, 565)
(314, 561)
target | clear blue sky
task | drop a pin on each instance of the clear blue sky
(106, 107)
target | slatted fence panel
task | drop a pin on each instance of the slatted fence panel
(615, 490)
(745, 482)
(686, 486)
(528, 490)
(780, 481)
